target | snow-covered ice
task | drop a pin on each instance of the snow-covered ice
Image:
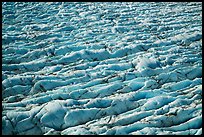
(82, 68)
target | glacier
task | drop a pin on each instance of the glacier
(101, 68)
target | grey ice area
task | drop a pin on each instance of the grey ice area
(102, 68)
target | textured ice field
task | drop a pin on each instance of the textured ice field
(102, 68)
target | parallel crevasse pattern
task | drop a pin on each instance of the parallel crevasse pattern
(102, 68)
